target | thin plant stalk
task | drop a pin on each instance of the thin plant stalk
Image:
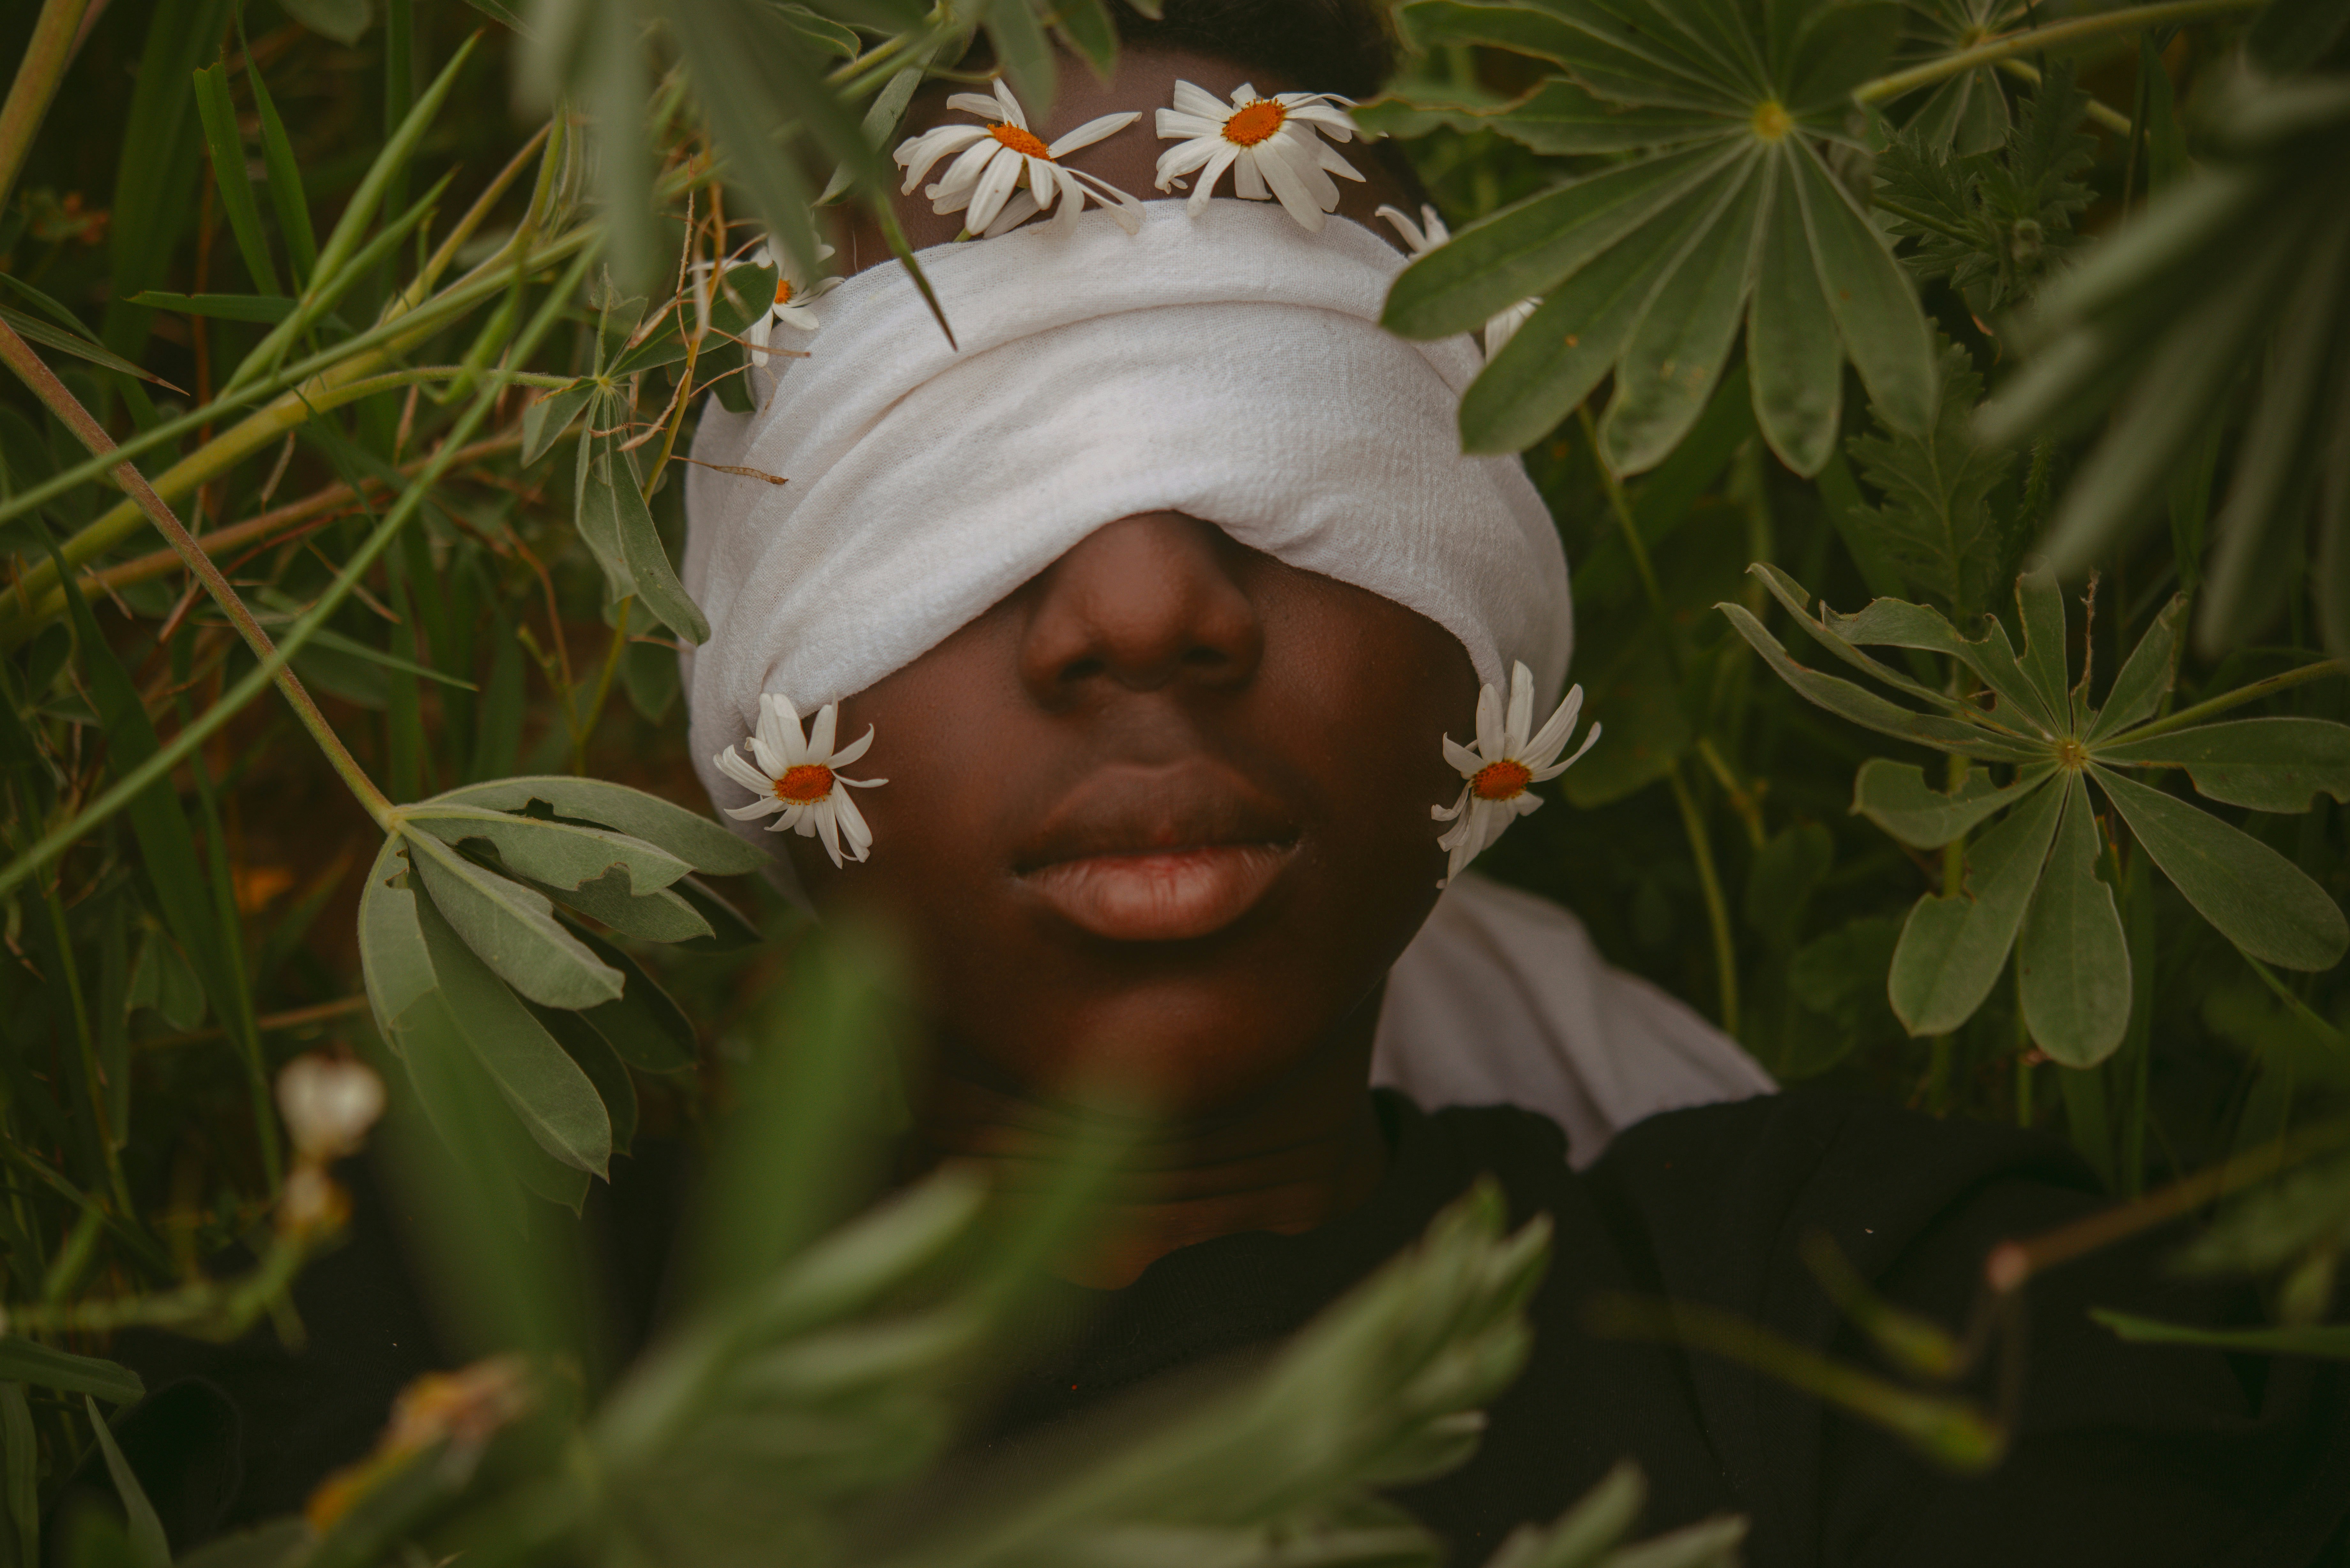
(1717, 908)
(47, 55)
(2135, 18)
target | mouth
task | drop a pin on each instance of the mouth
(1160, 855)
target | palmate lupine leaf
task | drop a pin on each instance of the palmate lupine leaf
(2032, 875)
(1727, 214)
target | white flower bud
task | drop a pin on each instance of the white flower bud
(329, 1104)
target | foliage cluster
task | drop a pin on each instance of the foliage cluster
(317, 308)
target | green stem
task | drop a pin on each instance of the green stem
(169, 756)
(1999, 50)
(47, 55)
(1717, 908)
(223, 1308)
(2112, 119)
(1624, 521)
(69, 413)
(2187, 717)
(596, 698)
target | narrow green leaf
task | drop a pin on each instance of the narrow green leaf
(392, 959)
(1022, 53)
(2331, 1340)
(1897, 623)
(544, 423)
(1867, 708)
(1562, 119)
(594, 1057)
(596, 511)
(1952, 950)
(693, 837)
(2259, 900)
(20, 1451)
(1896, 797)
(230, 181)
(2145, 680)
(343, 244)
(511, 928)
(1792, 357)
(2040, 607)
(1619, 60)
(1584, 1532)
(658, 588)
(33, 329)
(148, 1548)
(469, 1112)
(1874, 307)
(261, 307)
(286, 195)
(729, 929)
(2278, 765)
(559, 854)
(1674, 355)
(2074, 962)
(1529, 248)
(1572, 340)
(541, 1083)
(24, 1361)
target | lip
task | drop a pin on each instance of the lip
(1158, 854)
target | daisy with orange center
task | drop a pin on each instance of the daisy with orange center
(1272, 146)
(1502, 769)
(798, 780)
(1005, 174)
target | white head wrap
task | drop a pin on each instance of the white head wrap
(1225, 365)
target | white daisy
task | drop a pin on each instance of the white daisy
(1430, 233)
(794, 293)
(1272, 146)
(1504, 765)
(1005, 174)
(800, 778)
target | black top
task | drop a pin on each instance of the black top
(2138, 1455)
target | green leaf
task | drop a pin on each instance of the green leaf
(594, 1055)
(33, 329)
(2145, 680)
(2074, 962)
(162, 980)
(1937, 524)
(230, 181)
(1779, 886)
(1584, 1535)
(1793, 357)
(1896, 797)
(1022, 53)
(1085, 29)
(729, 929)
(20, 1451)
(1895, 623)
(393, 962)
(656, 585)
(644, 1025)
(541, 1083)
(2040, 607)
(285, 193)
(691, 837)
(1674, 354)
(469, 1112)
(511, 928)
(559, 854)
(1952, 950)
(662, 916)
(544, 423)
(1530, 248)
(1570, 342)
(24, 1361)
(2259, 900)
(2268, 765)
(261, 307)
(1874, 308)
(1559, 117)
(2331, 1340)
(1870, 711)
(149, 1549)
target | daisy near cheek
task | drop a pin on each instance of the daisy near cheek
(804, 785)
(1500, 771)
(1504, 780)
(798, 778)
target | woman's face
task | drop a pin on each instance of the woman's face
(1158, 821)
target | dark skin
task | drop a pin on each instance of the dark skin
(1156, 826)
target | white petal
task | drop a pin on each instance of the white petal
(1248, 179)
(772, 761)
(733, 765)
(981, 104)
(1124, 210)
(1489, 722)
(1464, 762)
(1171, 125)
(1334, 122)
(1012, 109)
(1206, 183)
(755, 810)
(1447, 813)
(1414, 240)
(851, 751)
(820, 733)
(1091, 132)
(923, 151)
(964, 173)
(1196, 100)
(1503, 324)
(1295, 197)
(1546, 741)
(799, 315)
(853, 826)
(1245, 94)
(1016, 211)
(1184, 157)
(827, 827)
(996, 184)
(1521, 709)
(1327, 158)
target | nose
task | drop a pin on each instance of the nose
(1142, 604)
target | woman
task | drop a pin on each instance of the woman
(1150, 614)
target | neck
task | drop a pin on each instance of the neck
(1289, 1157)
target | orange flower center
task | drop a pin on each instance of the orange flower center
(1504, 780)
(783, 291)
(1255, 123)
(809, 783)
(1020, 142)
